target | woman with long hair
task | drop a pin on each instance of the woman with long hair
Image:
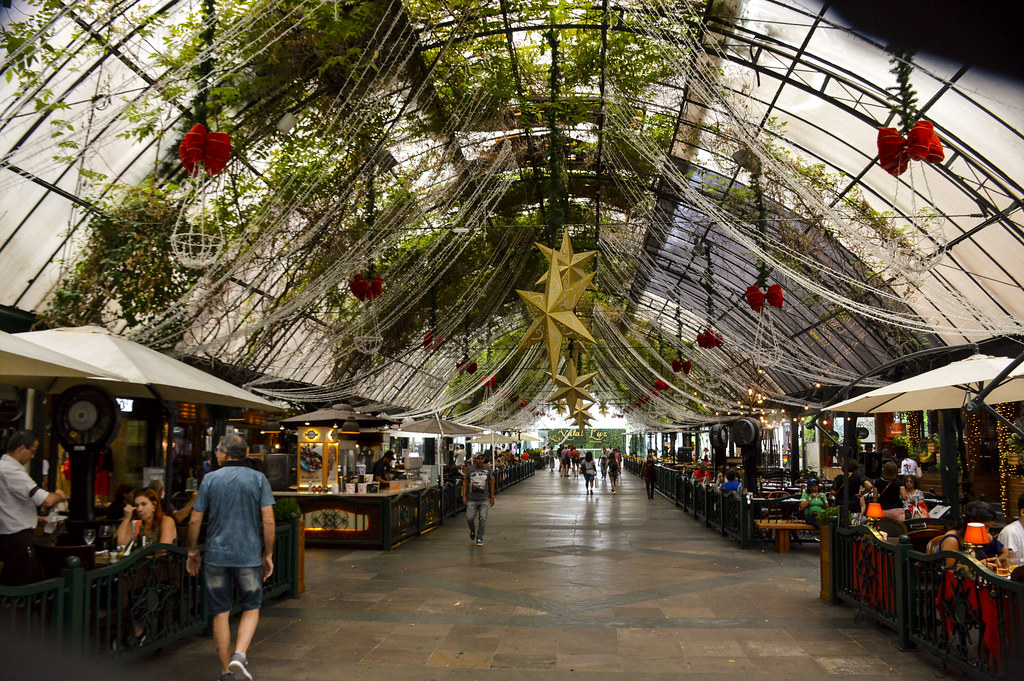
(155, 527)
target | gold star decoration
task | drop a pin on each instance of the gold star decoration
(554, 316)
(581, 415)
(569, 263)
(572, 387)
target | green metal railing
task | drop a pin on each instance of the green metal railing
(731, 515)
(965, 615)
(134, 606)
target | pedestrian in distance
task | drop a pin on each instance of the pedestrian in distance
(478, 495)
(239, 505)
(604, 463)
(589, 471)
(650, 474)
(613, 471)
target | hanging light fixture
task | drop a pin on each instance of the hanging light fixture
(350, 428)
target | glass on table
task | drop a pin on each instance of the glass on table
(106, 532)
(1003, 567)
(89, 536)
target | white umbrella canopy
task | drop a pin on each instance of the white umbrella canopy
(141, 371)
(29, 365)
(492, 439)
(434, 425)
(948, 387)
(527, 438)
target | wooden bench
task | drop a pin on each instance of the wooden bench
(782, 528)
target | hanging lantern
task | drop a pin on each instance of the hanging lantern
(202, 150)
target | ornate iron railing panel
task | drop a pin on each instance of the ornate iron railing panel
(733, 516)
(404, 514)
(34, 608)
(430, 508)
(966, 615)
(866, 573)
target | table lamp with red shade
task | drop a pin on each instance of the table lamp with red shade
(873, 513)
(976, 535)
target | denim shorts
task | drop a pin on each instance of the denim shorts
(218, 588)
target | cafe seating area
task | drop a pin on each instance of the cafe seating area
(137, 605)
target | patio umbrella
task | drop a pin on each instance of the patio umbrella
(28, 365)
(438, 426)
(435, 425)
(493, 439)
(140, 371)
(948, 387)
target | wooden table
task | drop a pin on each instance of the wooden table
(782, 528)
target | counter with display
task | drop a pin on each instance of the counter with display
(377, 520)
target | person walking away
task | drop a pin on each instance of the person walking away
(650, 475)
(478, 495)
(239, 505)
(566, 462)
(908, 466)
(613, 471)
(19, 497)
(589, 471)
(574, 455)
(604, 463)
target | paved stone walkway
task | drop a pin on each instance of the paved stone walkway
(602, 587)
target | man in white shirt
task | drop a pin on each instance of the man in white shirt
(1012, 536)
(908, 466)
(19, 498)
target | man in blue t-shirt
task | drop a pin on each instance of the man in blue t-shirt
(240, 504)
(732, 483)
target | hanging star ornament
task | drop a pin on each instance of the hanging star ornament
(572, 387)
(581, 415)
(554, 316)
(569, 263)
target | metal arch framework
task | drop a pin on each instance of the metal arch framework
(988, 182)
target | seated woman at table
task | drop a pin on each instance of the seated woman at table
(813, 502)
(155, 528)
(975, 512)
(913, 498)
(732, 482)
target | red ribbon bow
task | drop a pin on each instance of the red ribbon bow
(433, 341)
(365, 290)
(709, 339)
(772, 296)
(921, 144)
(660, 385)
(490, 381)
(211, 149)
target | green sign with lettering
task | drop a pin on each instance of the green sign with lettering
(587, 438)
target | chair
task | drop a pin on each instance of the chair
(51, 559)
(920, 539)
(892, 527)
